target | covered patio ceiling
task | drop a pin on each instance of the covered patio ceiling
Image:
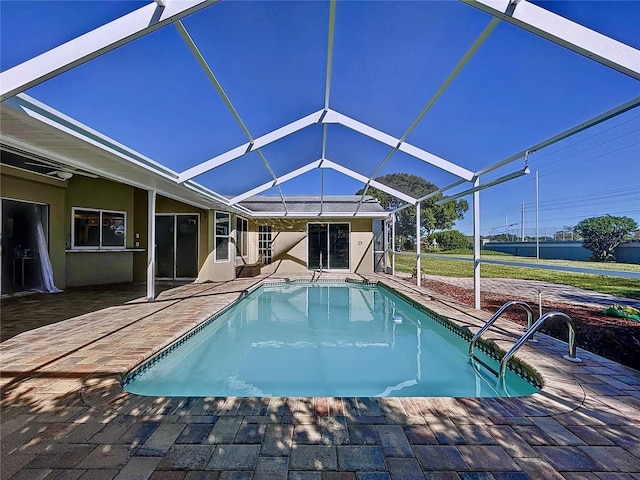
(216, 102)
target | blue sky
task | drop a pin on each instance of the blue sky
(389, 59)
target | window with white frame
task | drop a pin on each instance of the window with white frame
(242, 228)
(264, 244)
(93, 228)
(222, 238)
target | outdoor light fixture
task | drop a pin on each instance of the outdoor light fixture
(64, 175)
(497, 181)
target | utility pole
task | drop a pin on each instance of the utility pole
(506, 225)
(522, 224)
(537, 233)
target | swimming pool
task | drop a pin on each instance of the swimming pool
(324, 340)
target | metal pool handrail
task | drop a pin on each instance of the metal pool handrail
(313, 278)
(529, 333)
(497, 315)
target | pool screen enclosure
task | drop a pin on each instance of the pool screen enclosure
(343, 118)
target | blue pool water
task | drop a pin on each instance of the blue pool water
(337, 340)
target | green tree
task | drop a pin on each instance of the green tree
(448, 240)
(603, 234)
(432, 217)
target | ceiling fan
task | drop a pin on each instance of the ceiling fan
(61, 171)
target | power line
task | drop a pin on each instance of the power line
(616, 195)
(557, 150)
(544, 173)
(559, 219)
(559, 158)
(548, 172)
(595, 200)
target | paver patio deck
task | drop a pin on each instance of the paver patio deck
(64, 414)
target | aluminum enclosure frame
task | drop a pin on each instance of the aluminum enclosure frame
(521, 13)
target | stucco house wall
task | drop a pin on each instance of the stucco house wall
(92, 266)
(289, 248)
(212, 269)
(20, 185)
(106, 266)
(78, 267)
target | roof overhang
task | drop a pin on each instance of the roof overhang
(33, 128)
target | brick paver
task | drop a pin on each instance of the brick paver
(393, 440)
(313, 457)
(234, 457)
(64, 414)
(187, 457)
(405, 468)
(360, 457)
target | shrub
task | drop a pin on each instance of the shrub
(448, 240)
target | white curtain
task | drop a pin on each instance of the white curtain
(45, 263)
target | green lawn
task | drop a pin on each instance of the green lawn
(624, 287)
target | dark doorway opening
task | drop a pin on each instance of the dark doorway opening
(21, 262)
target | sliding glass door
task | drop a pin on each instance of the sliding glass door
(177, 246)
(328, 246)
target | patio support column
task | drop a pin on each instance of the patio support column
(393, 245)
(418, 270)
(385, 243)
(151, 245)
(476, 245)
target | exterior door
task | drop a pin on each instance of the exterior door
(317, 246)
(328, 246)
(177, 246)
(378, 246)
